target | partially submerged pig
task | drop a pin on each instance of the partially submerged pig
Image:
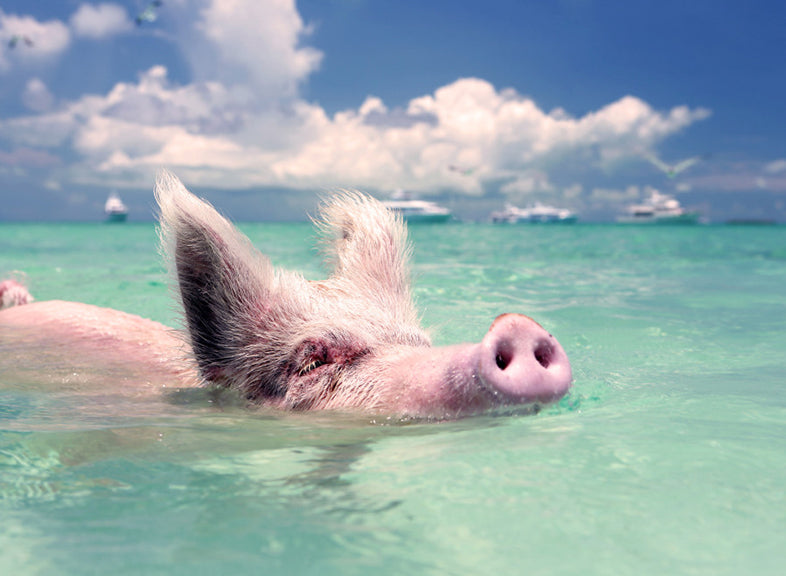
(351, 341)
(13, 293)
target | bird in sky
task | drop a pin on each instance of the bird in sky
(17, 38)
(461, 170)
(671, 170)
(149, 14)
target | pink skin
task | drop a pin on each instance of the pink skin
(516, 363)
(88, 347)
(352, 341)
(12, 293)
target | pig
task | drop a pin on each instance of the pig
(350, 342)
(13, 293)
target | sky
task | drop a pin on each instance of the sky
(264, 106)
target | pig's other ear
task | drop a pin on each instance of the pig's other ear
(221, 278)
(367, 245)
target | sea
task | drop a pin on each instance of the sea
(667, 457)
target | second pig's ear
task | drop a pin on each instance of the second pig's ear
(367, 247)
(223, 282)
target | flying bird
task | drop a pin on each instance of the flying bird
(149, 14)
(461, 170)
(671, 170)
(17, 38)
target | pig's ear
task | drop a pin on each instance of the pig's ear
(221, 278)
(367, 246)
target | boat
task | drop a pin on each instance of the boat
(114, 209)
(415, 210)
(659, 209)
(536, 213)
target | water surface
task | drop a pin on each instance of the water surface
(667, 457)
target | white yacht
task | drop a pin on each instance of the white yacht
(416, 210)
(114, 209)
(659, 209)
(536, 213)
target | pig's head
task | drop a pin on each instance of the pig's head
(351, 341)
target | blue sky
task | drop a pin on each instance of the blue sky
(263, 105)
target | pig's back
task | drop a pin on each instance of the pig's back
(55, 342)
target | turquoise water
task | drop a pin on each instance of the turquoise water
(667, 457)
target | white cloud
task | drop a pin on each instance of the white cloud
(526, 184)
(40, 41)
(199, 108)
(37, 96)
(775, 166)
(100, 20)
(52, 184)
(615, 197)
(241, 121)
(37, 41)
(252, 43)
(205, 130)
(42, 131)
(503, 134)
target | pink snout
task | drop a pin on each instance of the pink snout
(522, 362)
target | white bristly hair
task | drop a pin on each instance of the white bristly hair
(249, 323)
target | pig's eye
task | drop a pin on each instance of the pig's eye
(315, 363)
(314, 355)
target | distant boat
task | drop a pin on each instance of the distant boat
(414, 210)
(659, 209)
(536, 213)
(114, 209)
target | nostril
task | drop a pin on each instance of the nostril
(504, 355)
(520, 362)
(544, 353)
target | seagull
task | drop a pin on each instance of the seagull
(16, 38)
(460, 170)
(671, 170)
(149, 14)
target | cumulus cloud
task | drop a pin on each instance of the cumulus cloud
(48, 130)
(250, 43)
(206, 107)
(37, 96)
(470, 123)
(527, 183)
(776, 166)
(46, 39)
(100, 20)
(241, 121)
(203, 129)
(615, 197)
